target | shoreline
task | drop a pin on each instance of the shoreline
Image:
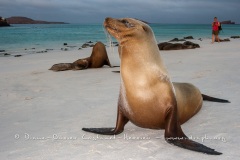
(34, 49)
(20, 37)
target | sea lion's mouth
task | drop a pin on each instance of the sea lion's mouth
(108, 24)
(108, 27)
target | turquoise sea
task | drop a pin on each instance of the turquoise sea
(19, 38)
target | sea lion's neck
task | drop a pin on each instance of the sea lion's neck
(141, 55)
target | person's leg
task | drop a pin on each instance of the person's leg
(217, 38)
(213, 38)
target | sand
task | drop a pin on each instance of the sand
(43, 112)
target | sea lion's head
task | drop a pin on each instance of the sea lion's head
(127, 29)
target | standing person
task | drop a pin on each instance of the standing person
(215, 30)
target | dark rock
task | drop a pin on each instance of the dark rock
(223, 40)
(162, 45)
(2, 51)
(176, 40)
(200, 39)
(41, 51)
(19, 55)
(49, 49)
(235, 37)
(64, 49)
(65, 44)
(3, 22)
(29, 48)
(188, 37)
(7, 54)
(71, 46)
(89, 42)
(115, 43)
(177, 46)
(85, 45)
(194, 45)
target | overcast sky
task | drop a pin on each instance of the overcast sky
(94, 11)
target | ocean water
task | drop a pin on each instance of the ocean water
(22, 38)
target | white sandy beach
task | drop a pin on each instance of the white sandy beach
(43, 112)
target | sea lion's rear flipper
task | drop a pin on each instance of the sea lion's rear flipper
(213, 99)
(62, 67)
(174, 135)
(121, 121)
(82, 63)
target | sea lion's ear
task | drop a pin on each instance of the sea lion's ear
(145, 28)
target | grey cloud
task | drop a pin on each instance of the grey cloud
(160, 11)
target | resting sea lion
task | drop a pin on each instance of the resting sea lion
(147, 96)
(97, 59)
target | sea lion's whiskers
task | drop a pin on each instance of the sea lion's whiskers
(109, 40)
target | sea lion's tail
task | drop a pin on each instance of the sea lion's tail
(213, 99)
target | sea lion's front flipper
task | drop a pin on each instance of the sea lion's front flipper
(105, 131)
(174, 135)
(194, 146)
(121, 121)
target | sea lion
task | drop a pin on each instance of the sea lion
(97, 59)
(147, 96)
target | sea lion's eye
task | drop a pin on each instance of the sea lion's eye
(127, 24)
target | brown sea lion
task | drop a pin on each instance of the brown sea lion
(147, 96)
(97, 59)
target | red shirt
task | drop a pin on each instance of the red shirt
(215, 26)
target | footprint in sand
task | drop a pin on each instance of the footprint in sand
(148, 145)
(36, 72)
(201, 74)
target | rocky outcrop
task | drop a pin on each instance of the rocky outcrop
(235, 37)
(177, 46)
(184, 39)
(223, 40)
(88, 44)
(188, 37)
(176, 40)
(25, 20)
(3, 22)
(228, 22)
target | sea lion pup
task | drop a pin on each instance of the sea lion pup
(147, 96)
(97, 59)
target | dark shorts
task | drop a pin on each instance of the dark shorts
(215, 33)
